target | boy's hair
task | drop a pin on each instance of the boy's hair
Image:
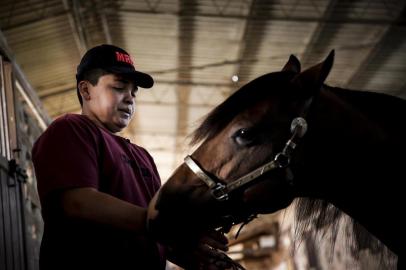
(91, 76)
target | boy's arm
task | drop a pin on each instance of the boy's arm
(92, 205)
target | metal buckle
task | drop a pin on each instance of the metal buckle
(219, 192)
(282, 160)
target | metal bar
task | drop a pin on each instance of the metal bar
(7, 230)
(3, 214)
(273, 18)
(10, 101)
(32, 21)
(319, 33)
(22, 219)
(385, 45)
(42, 123)
(79, 24)
(76, 108)
(220, 16)
(254, 32)
(185, 53)
(105, 25)
(175, 82)
(79, 41)
(2, 112)
(15, 228)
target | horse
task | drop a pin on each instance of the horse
(287, 135)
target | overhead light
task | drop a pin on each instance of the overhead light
(234, 78)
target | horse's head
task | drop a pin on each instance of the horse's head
(246, 145)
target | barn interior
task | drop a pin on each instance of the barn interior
(199, 52)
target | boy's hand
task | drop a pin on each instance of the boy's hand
(172, 217)
(207, 254)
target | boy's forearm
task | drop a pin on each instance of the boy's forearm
(92, 205)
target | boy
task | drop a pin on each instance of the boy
(95, 186)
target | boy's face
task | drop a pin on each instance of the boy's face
(110, 102)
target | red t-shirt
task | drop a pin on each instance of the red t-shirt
(74, 152)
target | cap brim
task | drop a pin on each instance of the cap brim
(141, 79)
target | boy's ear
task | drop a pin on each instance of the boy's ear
(83, 87)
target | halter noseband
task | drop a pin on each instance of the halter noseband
(281, 160)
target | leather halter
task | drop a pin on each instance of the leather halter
(221, 191)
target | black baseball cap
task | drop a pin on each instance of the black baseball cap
(115, 60)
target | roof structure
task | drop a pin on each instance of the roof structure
(193, 48)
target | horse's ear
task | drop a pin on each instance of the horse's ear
(311, 80)
(293, 64)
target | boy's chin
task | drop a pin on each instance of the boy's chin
(117, 127)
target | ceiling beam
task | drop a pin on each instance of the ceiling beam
(321, 35)
(285, 17)
(252, 37)
(191, 83)
(50, 15)
(76, 18)
(72, 12)
(105, 25)
(389, 43)
(50, 93)
(188, 10)
(368, 21)
(23, 86)
(75, 106)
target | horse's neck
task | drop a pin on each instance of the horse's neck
(346, 144)
(352, 162)
(344, 138)
(339, 132)
(341, 121)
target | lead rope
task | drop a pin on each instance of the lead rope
(236, 266)
(248, 220)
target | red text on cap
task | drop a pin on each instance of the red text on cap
(122, 57)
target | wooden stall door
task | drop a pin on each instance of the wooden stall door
(12, 178)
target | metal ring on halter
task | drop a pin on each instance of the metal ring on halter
(298, 126)
(282, 160)
(219, 192)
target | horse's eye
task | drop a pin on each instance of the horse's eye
(244, 137)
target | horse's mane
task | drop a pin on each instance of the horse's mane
(322, 217)
(311, 214)
(379, 107)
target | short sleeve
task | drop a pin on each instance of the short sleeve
(66, 156)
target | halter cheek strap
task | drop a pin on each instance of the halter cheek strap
(199, 172)
(218, 189)
(221, 191)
